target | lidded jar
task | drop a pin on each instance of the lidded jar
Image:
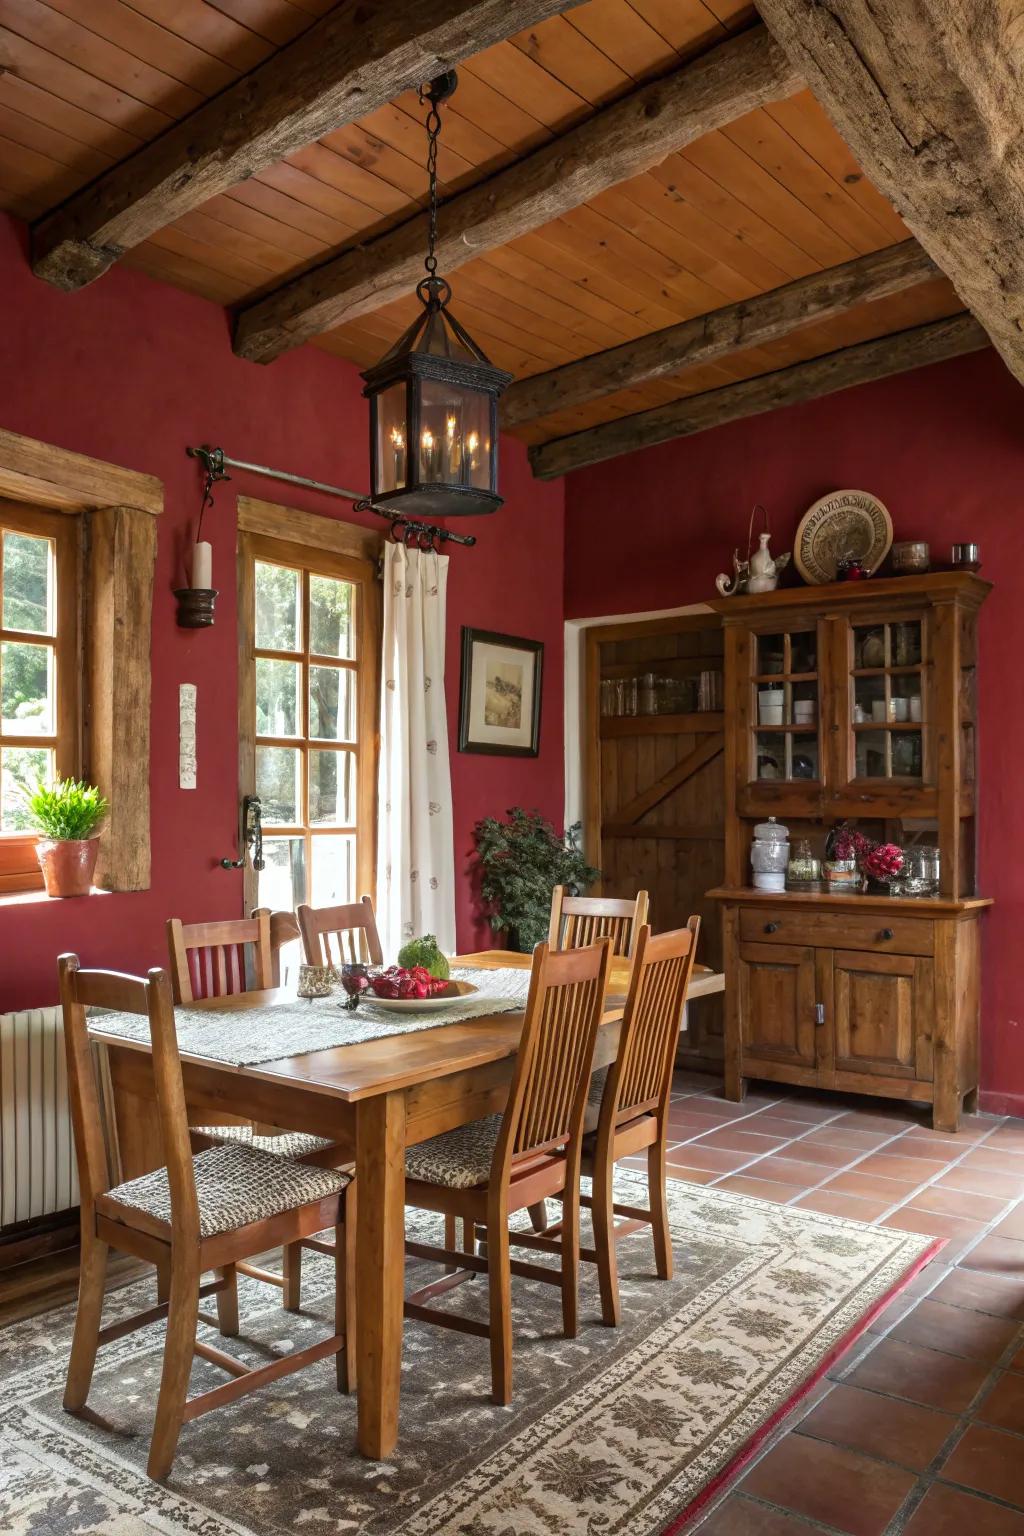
(769, 855)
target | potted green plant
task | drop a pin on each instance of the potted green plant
(67, 815)
(521, 860)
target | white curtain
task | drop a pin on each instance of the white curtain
(415, 845)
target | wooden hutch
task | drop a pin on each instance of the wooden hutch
(869, 994)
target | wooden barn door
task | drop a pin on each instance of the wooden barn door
(654, 782)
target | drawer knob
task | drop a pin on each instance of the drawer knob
(885, 933)
(771, 927)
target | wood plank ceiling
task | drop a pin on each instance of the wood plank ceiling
(774, 196)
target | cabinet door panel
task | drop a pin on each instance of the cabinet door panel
(882, 1014)
(777, 1003)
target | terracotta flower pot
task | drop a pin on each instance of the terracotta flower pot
(68, 866)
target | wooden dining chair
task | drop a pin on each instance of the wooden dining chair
(485, 1171)
(580, 920)
(200, 1212)
(628, 1104)
(336, 935)
(218, 960)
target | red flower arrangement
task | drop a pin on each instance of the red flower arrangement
(879, 861)
(883, 861)
(847, 843)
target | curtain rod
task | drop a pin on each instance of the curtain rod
(403, 529)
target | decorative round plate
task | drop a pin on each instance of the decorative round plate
(840, 524)
(457, 993)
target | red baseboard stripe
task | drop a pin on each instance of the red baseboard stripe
(744, 1457)
(990, 1102)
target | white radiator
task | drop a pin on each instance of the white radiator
(37, 1151)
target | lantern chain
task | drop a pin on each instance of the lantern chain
(436, 92)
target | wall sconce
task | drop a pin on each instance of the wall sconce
(196, 601)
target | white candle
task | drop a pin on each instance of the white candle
(202, 565)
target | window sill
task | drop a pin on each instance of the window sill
(40, 898)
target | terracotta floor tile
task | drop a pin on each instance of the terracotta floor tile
(881, 1426)
(958, 1202)
(866, 1120)
(927, 1148)
(914, 1170)
(957, 1233)
(972, 1128)
(687, 1125)
(989, 1461)
(1001, 1255)
(925, 1376)
(974, 1335)
(764, 1189)
(870, 1187)
(1012, 1225)
(982, 1181)
(735, 1139)
(704, 1104)
(776, 1123)
(809, 1111)
(1017, 1363)
(846, 1136)
(836, 1204)
(818, 1155)
(1004, 1405)
(742, 1517)
(948, 1512)
(715, 1159)
(783, 1170)
(1008, 1137)
(987, 1156)
(683, 1174)
(1002, 1296)
(841, 1488)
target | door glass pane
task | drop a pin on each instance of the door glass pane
(906, 754)
(332, 704)
(279, 785)
(771, 755)
(26, 689)
(905, 700)
(334, 870)
(332, 789)
(871, 755)
(332, 611)
(282, 880)
(771, 655)
(804, 762)
(803, 651)
(870, 645)
(21, 770)
(278, 697)
(905, 644)
(277, 608)
(28, 583)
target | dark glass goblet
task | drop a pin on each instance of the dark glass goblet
(355, 978)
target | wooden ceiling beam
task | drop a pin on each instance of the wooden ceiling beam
(617, 143)
(749, 323)
(354, 60)
(861, 364)
(928, 98)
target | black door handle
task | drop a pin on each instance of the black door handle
(885, 933)
(771, 927)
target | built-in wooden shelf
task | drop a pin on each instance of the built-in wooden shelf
(661, 725)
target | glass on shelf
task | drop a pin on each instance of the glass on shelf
(770, 654)
(869, 700)
(648, 703)
(905, 644)
(872, 755)
(906, 754)
(804, 704)
(771, 706)
(709, 692)
(771, 756)
(787, 755)
(803, 761)
(870, 645)
(905, 696)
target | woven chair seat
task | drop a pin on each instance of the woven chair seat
(235, 1186)
(290, 1144)
(457, 1159)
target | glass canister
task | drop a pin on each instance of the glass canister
(804, 870)
(769, 855)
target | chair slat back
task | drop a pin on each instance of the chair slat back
(577, 921)
(220, 959)
(80, 990)
(549, 1090)
(641, 1076)
(284, 929)
(340, 935)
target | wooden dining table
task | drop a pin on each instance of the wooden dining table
(374, 1099)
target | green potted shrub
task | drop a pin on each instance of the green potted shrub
(521, 861)
(66, 816)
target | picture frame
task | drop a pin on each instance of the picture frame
(500, 694)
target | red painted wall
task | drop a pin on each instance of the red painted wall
(132, 371)
(944, 450)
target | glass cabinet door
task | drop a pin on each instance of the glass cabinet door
(785, 708)
(888, 668)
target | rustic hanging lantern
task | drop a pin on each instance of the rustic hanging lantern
(434, 396)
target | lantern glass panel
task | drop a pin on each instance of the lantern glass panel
(391, 445)
(455, 435)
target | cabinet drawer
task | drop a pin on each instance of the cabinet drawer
(886, 934)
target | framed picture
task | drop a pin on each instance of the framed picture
(499, 705)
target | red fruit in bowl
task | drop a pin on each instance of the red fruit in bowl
(407, 987)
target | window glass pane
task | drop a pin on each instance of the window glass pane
(282, 880)
(21, 769)
(332, 609)
(332, 789)
(278, 697)
(28, 583)
(334, 867)
(279, 785)
(278, 605)
(26, 689)
(332, 704)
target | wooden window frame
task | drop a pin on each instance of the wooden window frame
(19, 868)
(314, 559)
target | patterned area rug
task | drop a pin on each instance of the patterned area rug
(620, 1430)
